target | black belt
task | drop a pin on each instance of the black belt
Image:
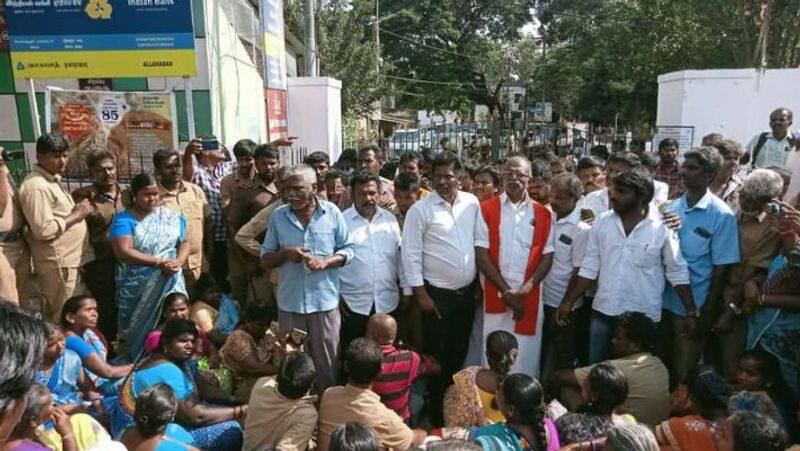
(467, 289)
(7, 237)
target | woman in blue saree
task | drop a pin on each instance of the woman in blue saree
(150, 244)
(62, 373)
(211, 420)
(79, 321)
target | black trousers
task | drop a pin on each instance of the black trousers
(564, 347)
(447, 338)
(219, 265)
(99, 278)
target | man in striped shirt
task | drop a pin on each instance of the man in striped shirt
(400, 366)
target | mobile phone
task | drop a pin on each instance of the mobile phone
(297, 337)
(210, 144)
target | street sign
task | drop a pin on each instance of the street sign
(683, 134)
(100, 38)
(95, 84)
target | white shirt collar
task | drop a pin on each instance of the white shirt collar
(504, 199)
(573, 218)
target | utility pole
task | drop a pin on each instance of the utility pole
(311, 40)
(377, 36)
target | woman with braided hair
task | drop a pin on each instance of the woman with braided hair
(520, 399)
(470, 401)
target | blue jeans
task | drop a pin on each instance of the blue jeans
(601, 328)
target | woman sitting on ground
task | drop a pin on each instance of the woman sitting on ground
(606, 388)
(247, 353)
(44, 427)
(699, 406)
(62, 373)
(216, 313)
(79, 321)
(155, 427)
(470, 401)
(520, 399)
(206, 358)
(211, 427)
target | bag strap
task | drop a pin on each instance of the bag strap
(762, 139)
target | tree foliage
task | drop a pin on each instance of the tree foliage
(605, 56)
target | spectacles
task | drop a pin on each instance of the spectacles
(516, 175)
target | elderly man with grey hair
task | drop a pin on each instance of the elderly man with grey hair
(308, 240)
(511, 229)
(759, 243)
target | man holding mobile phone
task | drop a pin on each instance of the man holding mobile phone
(211, 163)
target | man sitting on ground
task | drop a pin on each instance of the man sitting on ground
(400, 366)
(282, 413)
(357, 402)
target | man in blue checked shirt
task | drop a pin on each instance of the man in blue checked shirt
(308, 240)
(709, 242)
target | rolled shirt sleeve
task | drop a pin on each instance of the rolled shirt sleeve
(590, 264)
(676, 270)
(344, 243)
(271, 241)
(482, 232)
(412, 247)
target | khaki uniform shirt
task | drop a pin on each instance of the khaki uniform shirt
(11, 218)
(98, 222)
(277, 422)
(228, 187)
(190, 201)
(45, 204)
(246, 203)
(248, 235)
(344, 404)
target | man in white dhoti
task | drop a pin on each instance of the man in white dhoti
(514, 251)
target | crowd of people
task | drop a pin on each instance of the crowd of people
(614, 300)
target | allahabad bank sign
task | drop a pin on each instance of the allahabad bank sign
(100, 38)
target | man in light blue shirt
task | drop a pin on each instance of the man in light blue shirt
(709, 242)
(308, 240)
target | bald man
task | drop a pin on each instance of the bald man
(400, 366)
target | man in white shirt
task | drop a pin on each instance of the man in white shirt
(369, 283)
(598, 202)
(439, 262)
(773, 148)
(514, 250)
(630, 253)
(570, 235)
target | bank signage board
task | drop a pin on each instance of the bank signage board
(100, 38)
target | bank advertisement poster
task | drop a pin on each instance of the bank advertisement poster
(131, 125)
(100, 38)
